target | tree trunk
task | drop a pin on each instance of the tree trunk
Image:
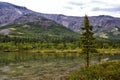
(87, 59)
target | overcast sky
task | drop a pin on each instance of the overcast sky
(72, 7)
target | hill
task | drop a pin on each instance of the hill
(38, 31)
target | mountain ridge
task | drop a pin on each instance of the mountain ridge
(104, 26)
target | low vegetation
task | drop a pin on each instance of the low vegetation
(103, 71)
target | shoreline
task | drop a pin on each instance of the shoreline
(101, 51)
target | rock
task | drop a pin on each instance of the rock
(5, 69)
(105, 59)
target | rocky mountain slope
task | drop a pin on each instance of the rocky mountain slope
(12, 14)
(21, 22)
(75, 23)
(9, 12)
(104, 26)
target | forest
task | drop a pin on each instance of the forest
(17, 43)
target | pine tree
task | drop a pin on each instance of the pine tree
(87, 40)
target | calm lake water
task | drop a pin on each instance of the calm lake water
(43, 66)
(8, 57)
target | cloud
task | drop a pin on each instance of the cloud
(98, 2)
(76, 3)
(72, 7)
(68, 7)
(80, 4)
(112, 9)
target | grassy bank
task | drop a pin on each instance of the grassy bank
(109, 51)
(57, 51)
(102, 51)
(103, 71)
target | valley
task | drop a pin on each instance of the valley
(40, 46)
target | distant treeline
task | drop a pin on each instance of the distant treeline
(47, 42)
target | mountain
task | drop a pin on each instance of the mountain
(74, 22)
(22, 22)
(104, 26)
(10, 13)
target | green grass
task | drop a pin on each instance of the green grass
(103, 71)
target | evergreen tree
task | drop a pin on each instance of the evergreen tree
(87, 40)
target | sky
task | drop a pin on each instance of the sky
(72, 7)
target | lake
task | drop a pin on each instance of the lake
(43, 66)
